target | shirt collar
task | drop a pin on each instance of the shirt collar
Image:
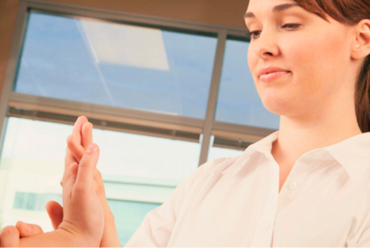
(263, 146)
(353, 153)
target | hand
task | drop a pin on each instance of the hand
(9, 236)
(78, 142)
(83, 216)
(83, 212)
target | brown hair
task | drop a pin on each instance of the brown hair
(349, 12)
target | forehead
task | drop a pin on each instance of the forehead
(266, 5)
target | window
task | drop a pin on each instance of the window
(149, 86)
(140, 172)
(117, 65)
(221, 152)
(238, 100)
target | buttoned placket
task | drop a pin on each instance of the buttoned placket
(263, 235)
(295, 180)
(277, 201)
(303, 167)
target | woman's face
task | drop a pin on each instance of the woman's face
(299, 61)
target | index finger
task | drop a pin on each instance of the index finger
(77, 128)
(86, 135)
(87, 167)
(27, 230)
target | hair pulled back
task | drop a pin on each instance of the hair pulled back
(349, 12)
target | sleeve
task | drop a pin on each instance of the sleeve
(156, 228)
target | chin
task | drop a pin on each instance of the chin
(278, 106)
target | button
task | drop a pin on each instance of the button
(265, 226)
(292, 185)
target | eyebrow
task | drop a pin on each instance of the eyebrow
(277, 8)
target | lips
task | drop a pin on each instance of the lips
(271, 73)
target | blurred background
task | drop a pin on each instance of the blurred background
(165, 83)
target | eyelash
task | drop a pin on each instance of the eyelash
(290, 26)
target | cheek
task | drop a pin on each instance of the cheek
(316, 62)
(252, 59)
(252, 63)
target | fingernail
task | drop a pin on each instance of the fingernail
(92, 148)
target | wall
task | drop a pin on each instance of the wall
(225, 12)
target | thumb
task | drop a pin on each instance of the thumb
(55, 212)
(87, 166)
(27, 230)
(9, 237)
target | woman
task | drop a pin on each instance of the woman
(307, 184)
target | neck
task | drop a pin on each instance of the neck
(320, 128)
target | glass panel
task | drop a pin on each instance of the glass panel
(128, 217)
(238, 101)
(135, 168)
(19, 201)
(33, 201)
(157, 159)
(116, 65)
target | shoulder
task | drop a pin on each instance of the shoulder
(219, 164)
(207, 173)
(213, 167)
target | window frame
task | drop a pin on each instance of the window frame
(142, 122)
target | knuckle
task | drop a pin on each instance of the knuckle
(99, 190)
(84, 164)
(70, 139)
(98, 173)
(36, 228)
(85, 126)
(80, 188)
(70, 180)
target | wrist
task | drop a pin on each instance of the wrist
(57, 238)
(75, 236)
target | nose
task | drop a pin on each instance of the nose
(266, 45)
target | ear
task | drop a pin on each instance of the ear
(361, 44)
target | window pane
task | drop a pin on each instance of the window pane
(238, 101)
(128, 217)
(140, 172)
(139, 156)
(116, 65)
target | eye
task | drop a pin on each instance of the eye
(291, 26)
(255, 34)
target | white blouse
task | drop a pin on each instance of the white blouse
(325, 201)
